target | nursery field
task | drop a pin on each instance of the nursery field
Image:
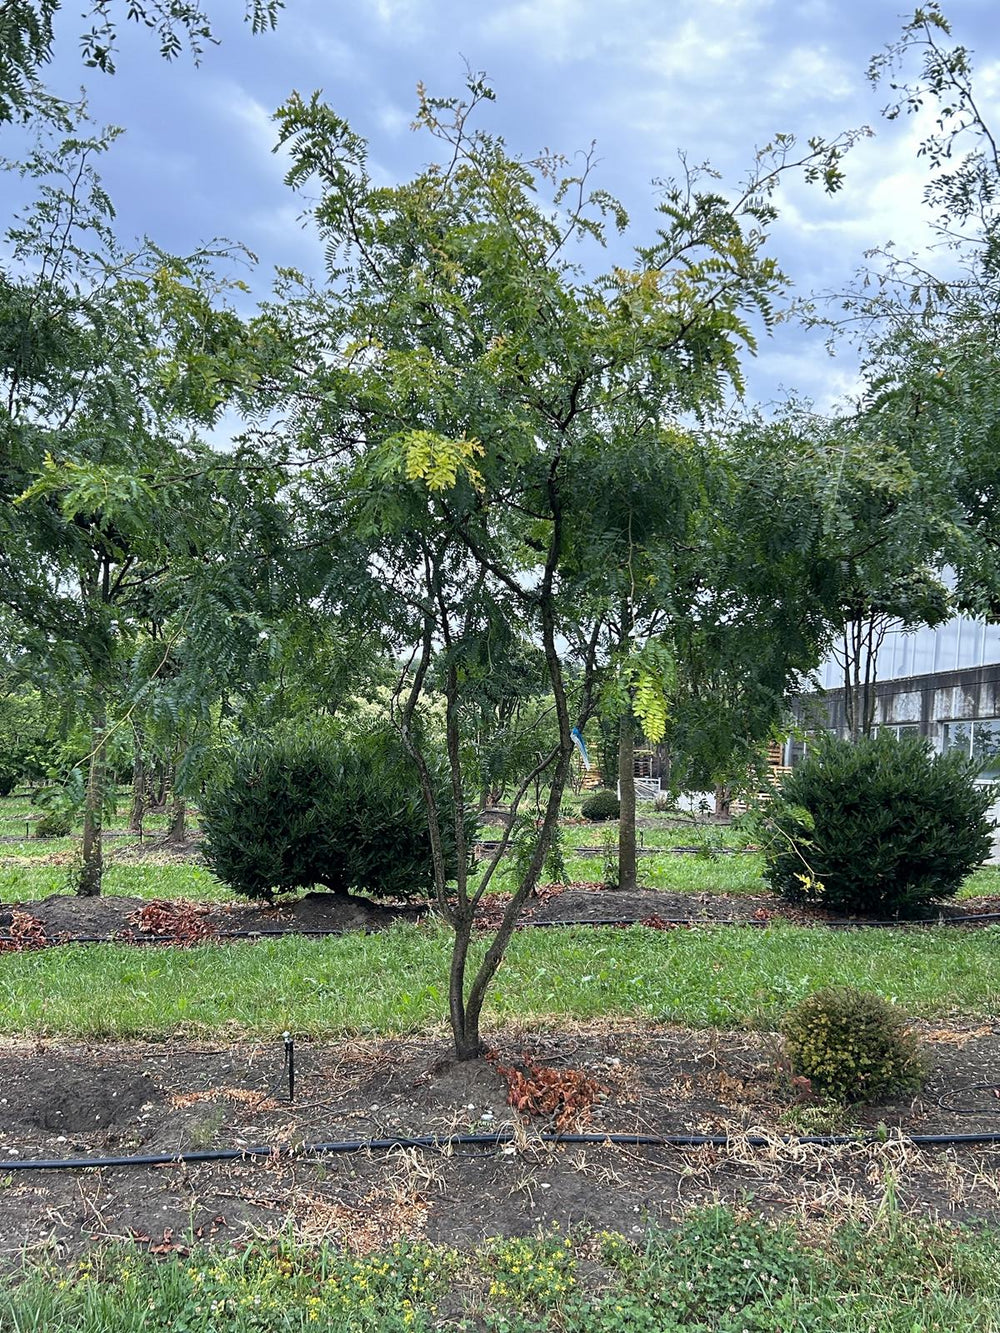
(477, 1212)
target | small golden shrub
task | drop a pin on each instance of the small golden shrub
(852, 1046)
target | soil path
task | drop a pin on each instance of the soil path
(65, 1100)
(65, 916)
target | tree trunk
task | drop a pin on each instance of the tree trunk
(92, 867)
(138, 787)
(158, 788)
(723, 802)
(627, 871)
(468, 1045)
(178, 819)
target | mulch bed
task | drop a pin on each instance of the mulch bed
(68, 916)
(59, 1100)
(64, 917)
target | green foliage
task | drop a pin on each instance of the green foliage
(717, 1269)
(27, 33)
(342, 812)
(709, 1271)
(604, 804)
(852, 1045)
(555, 859)
(55, 824)
(880, 826)
(611, 867)
(30, 736)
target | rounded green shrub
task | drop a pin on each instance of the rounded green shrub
(852, 1046)
(55, 824)
(603, 804)
(341, 813)
(880, 827)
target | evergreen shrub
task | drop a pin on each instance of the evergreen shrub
(852, 1045)
(880, 827)
(343, 813)
(603, 804)
(54, 824)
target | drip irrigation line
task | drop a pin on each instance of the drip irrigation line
(994, 1088)
(497, 1139)
(846, 923)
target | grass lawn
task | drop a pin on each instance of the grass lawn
(23, 878)
(395, 982)
(26, 881)
(715, 1270)
(18, 814)
(35, 868)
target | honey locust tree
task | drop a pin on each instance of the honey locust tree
(707, 547)
(27, 37)
(457, 384)
(110, 361)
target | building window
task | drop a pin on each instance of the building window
(977, 740)
(903, 729)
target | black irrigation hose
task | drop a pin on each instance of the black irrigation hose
(847, 923)
(494, 1140)
(972, 1110)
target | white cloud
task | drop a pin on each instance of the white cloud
(394, 119)
(812, 74)
(557, 29)
(715, 44)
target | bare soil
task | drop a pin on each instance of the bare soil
(60, 1100)
(66, 917)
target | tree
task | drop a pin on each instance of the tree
(108, 360)
(27, 34)
(462, 388)
(891, 527)
(921, 450)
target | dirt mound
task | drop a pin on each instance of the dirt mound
(67, 914)
(315, 911)
(105, 917)
(66, 1097)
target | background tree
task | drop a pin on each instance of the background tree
(27, 35)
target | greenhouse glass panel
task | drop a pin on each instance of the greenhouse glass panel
(986, 747)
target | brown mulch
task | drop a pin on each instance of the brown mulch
(65, 916)
(59, 1100)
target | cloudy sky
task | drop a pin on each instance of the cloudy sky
(644, 78)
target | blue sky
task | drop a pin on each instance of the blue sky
(645, 78)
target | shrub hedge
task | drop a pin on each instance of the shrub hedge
(342, 813)
(882, 826)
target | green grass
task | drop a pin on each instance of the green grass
(395, 982)
(18, 811)
(713, 1270)
(675, 874)
(741, 873)
(20, 883)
